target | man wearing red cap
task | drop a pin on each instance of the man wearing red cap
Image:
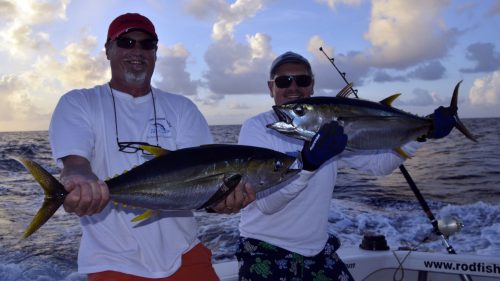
(96, 133)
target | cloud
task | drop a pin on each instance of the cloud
(17, 104)
(383, 76)
(235, 68)
(433, 70)
(326, 76)
(404, 33)
(208, 99)
(486, 91)
(485, 57)
(233, 14)
(333, 3)
(171, 69)
(19, 35)
(205, 10)
(26, 96)
(238, 106)
(494, 9)
(78, 67)
(420, 97)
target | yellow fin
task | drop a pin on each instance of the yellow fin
(389, 100)
(147, 214)
(399, 151)
(155, 150)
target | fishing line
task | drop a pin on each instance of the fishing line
(410, 182)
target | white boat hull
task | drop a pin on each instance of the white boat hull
(403, 266)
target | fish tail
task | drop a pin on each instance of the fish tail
(54, 194)
(458, 124)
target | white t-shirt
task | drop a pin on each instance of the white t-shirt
(295, 217)
(83, 124)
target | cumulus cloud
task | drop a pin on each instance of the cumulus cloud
(486, 91)
(433, 70)
(484, 56)
(326, 76)
(171, 67)
(232, 67)
(404, 33)
(236, 68)
(42, 74)
(205, 10)
(383, 76)
(420, 97)
(19, 35)
(233, 14)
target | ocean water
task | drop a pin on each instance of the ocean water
(458, 178)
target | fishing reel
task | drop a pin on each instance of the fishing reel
(450, 226)
(447, 227)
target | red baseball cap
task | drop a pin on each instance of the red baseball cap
(130, 22)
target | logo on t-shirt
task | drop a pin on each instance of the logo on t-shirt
(162, 128)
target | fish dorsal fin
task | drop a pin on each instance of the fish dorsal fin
(389, 100)
(346, 91)
(155, 150)
(146, 215)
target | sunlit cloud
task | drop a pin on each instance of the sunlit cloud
(486, 91)
(404, 33)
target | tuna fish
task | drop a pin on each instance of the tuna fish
(368, 125)
(185, 179)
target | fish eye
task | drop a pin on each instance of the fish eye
(299, 110)
(277, 165)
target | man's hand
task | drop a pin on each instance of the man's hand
(238, 199)
(443, 121)
(329, 141)
(87, 194)
(86, 197)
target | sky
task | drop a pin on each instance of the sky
(218, 52)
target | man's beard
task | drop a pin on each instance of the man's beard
(137, 77)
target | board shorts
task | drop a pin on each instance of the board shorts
(259, 261)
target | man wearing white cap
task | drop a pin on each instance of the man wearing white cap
(285, 235)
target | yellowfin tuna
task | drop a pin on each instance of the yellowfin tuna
(185, 179)
(368, 125)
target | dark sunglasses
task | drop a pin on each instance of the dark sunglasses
(286, 81)
(127, 43)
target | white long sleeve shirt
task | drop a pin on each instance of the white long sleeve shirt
(295, 216)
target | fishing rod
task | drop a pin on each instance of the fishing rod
(411, 183)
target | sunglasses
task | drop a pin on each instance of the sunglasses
(133, 147)
(286, 81)
(127, 43)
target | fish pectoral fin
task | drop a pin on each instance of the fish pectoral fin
(229, 183)
(146, 215)
(389, 100)
(155, 150)
(399, 151)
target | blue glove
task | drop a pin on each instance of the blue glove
(329, 141)
(443, 121)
